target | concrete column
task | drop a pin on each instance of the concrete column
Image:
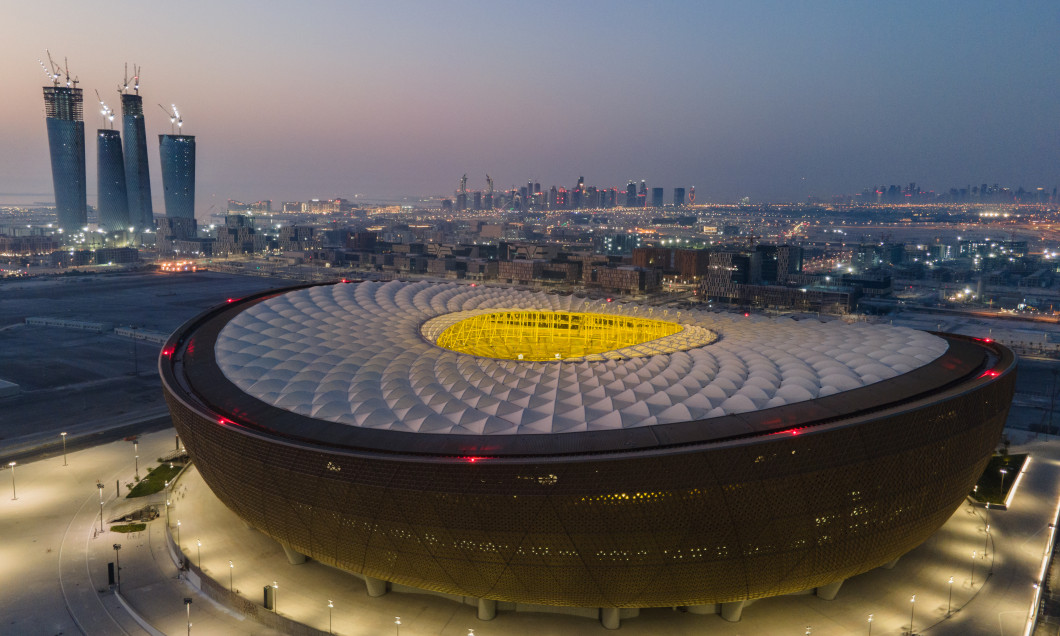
(711, 608)
(828, 592)
(294, 557)
(376, 587)
(609, 617)
(890, 564)
(732, 611)
(487, 609)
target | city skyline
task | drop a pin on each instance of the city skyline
(770, 101)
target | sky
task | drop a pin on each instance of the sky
(775, 101)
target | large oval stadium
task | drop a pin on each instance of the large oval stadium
(539, 448)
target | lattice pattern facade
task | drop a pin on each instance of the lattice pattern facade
(748, 516)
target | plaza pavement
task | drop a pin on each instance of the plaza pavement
(55, 570)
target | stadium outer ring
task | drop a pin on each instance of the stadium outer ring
(668, 515)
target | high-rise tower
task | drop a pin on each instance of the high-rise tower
(64, 109)
(113, 203)
(137, 174)
(178, 174)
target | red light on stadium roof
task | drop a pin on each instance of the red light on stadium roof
(471, 460)
(168, 351)
(990, 374)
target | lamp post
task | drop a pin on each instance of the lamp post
(275, 595)
(912, 608)
(198, 550)
(187, 604)
(231, 568)
(64, 447)
(972, 577)
(331, 606)
(117, 564)
(870, 624)
(397, 625)
(949, 599)
(178, 534)
(986, 539)
(1003, 473)
(99, 485)
(13, 495)
(136, 455)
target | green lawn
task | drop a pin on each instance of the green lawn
(155, 480)
(129, 527)
(988, 488)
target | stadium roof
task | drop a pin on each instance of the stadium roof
(363, 355)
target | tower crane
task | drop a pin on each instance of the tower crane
(51, 70)
(174, 118)
(108, 114)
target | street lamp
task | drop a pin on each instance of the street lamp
(275, 594)
(1003, 473)
(949, 600)
(870, 624)
(117, 564)
(986, 539)
(13, 495)
(198, 549)
(972, 583)
(912, 608)
(231, 568)
(99, 485)
(331, 606)
(397, 625)
(64, 447)
(187, 604)
(136, 454)
(178, 534)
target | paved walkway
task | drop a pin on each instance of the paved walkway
(60, 569)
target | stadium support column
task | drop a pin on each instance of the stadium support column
(294, 557)
(828, 592)
(375, 587)
(487, 609)
(708, 609)
(732, 611)
(609, 617)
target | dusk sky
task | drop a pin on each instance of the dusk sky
(771, 100)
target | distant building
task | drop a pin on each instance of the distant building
(112, 198)
(679, 197)
(178, 174)
(64, 110)
(137, 172)
(657, 197)
(631, 194)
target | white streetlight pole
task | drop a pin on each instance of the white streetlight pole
(64, 447)
(275, 595)
(231, 568)
(331, 606)
(912, 608)
(870, 624)
(397, 625)
(198, 549)
(949, 600)
(13, 495)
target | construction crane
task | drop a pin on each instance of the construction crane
(66, 65)
(136, 79)
(489, 185)
(175, 121)
(108, 114)
(51, 70)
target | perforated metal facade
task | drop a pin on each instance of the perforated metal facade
(825, 490)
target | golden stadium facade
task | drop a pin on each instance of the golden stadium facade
(466, 440)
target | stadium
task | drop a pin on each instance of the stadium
(535, 448)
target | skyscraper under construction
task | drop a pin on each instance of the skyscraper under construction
(113, 202)
(64, 109)
(137, 174)
(178, 174)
